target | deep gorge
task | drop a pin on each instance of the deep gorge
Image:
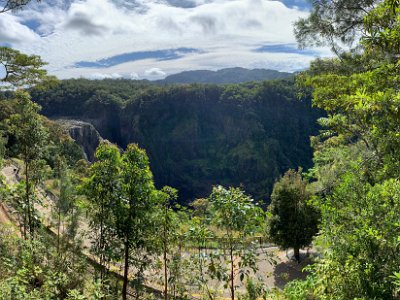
(197, 136)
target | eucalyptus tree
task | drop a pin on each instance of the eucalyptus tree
(134, 209)
(168, 222)
(103, 190)
(237, 217)
(66, 209)
(200, 234)
(31, 136)
(168, 228)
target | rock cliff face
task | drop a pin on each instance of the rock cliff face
(84, 134)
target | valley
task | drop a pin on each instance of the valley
(196, 136)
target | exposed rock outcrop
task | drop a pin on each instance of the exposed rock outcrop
(84, 134)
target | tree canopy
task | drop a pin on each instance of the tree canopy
(293, 221)
(8, 5)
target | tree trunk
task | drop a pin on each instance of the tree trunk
(297, 253)
(126, 271)
(101, 247)
(232, 275)
(58, 231)
(165, 253)
(165, 276)
(25, 222)
(28, 202)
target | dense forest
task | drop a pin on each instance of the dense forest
(106, 229)
(197, 136)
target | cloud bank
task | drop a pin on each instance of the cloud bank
(154, 38)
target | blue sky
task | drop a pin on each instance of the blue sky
(153, 38)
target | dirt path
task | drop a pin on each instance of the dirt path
(9, 174)
(4, 217)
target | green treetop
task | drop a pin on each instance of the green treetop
(133, 215)
(26, 126)
(293, 221)
(21, 70)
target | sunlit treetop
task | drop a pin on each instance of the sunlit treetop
(20, 70)
(335, 23)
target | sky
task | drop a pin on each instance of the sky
(150, 39)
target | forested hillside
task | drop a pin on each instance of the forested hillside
(225, 76)
(197, 135)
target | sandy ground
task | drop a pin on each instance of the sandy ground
(4, 218)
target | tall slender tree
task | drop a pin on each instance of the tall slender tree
(102, 189)
(168, 224)
(237, 216)
(31, 137)
(133, 220)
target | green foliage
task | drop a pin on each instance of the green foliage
(66, 213)
(133, 211)
(199, 233)
(31, 270)
(234, 212)
(360, 226)
(137, 200)
(382, 27)
(26, 126)
(255, 290)
(9, 5)
(297, 290)
(356, 165)
(168, 225)
(21, 70)
(333, 23)
(293, 221)
(237, 217)
(102, 191)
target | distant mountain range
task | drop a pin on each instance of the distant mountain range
(224, 76)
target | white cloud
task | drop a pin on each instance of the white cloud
(134, 76)
(94, 17)
(226, 30)
(13, 32)
(100, 76)
(47, 15)
(155, 73)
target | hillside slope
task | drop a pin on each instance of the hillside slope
(225, 76)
